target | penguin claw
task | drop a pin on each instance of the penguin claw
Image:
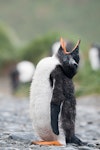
(47, 143)
(76, 140)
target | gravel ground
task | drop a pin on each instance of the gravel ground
(16, 131)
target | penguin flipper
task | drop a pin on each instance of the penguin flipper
(55, 109)
(56, 80)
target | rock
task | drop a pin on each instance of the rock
(85, 148)
(22, 136)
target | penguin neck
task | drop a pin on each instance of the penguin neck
(69, 72)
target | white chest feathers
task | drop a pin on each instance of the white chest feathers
(40, 97)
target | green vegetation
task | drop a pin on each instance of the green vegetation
(5, 45)
(33, 18)
(38, 48)
(8, 46)
(39, 24)
(87, 80)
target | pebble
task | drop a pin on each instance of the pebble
(16, 132)
(20, 136)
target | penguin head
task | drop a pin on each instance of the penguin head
(69, 59)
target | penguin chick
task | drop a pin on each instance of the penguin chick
(52, 100)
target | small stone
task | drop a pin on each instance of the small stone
(90, 122)
(22, 136)
(85, 148)
(91, 145)
(94, 139)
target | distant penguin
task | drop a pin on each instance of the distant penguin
(26, 70)
(22, 72)
(52, 100)
(94, 57)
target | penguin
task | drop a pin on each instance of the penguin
(94, 57)
(52, 100)
(21, 72)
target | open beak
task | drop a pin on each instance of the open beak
(63, 45)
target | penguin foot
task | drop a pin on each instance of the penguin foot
(47, 143)
(76, 140)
